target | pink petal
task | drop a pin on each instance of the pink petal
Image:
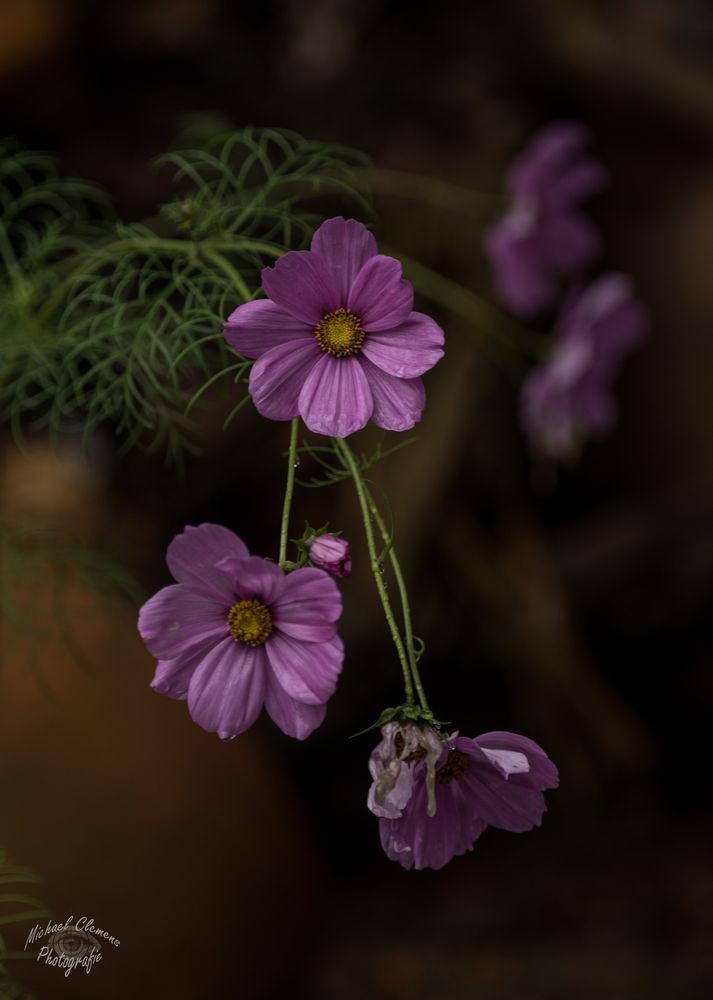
(172, 677)
(542, 772)
(569, 241)
(407, 350)
(294, 718)
(344, 247)
(301, 284)
(336, 398)
(227, 690)
(540, 164)
(398, 402)
(521, 275)
(317, 631)
(579, 181)
(255, 578)
(508, 761)
(506, 804)
(193, 555)
(594, 303)
(278, 377)
(306, 671)
(379, 296)
(177, 620)
(257, 326)
(417, 840)
(309, 606)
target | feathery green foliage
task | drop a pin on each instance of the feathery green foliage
(121, 325)
(325, 456)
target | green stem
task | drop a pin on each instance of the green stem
(289, 490)
(403, 594)
(442, 194)
(227, 268)
(350, 463)
(489, 320)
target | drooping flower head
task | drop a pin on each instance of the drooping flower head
(236, 633)
(330, 553)
(336, 339)
(493, 780)
(544, 236)
(568, 398)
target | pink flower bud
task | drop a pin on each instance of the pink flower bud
(330, 553)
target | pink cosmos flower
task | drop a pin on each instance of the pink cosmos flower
(568, 397)
(336, 339)
(236, 633)
(544, 235)
(493, 780)
(330, 553)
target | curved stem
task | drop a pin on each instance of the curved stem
(442, 194)
(227, 268)
(289, 490)
(403, 595)
(488, 319)
(350, 463)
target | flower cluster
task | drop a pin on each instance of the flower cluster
(543, 238)
(435, 797)
(336, 343)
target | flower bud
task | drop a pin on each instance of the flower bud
(330, 553)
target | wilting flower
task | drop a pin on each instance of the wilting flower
(568, 398)
(336, 339)
(544, 236)
(392, 762)
(236, 633)
(330, 553)
(493, 780)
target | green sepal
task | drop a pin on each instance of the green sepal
(403, 713)
(308, 535)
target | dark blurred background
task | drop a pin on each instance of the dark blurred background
(570, 605)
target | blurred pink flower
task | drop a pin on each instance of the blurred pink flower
(568, 397)
(544, 236)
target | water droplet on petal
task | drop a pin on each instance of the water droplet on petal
(174, 626)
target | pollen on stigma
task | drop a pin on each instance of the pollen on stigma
(250, 622)
(340, 333)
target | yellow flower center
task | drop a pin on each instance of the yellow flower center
(457, 763)
(340, 333)
(250, 622)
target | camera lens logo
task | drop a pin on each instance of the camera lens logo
(70, 942)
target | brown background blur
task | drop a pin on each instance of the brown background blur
(573, 608)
